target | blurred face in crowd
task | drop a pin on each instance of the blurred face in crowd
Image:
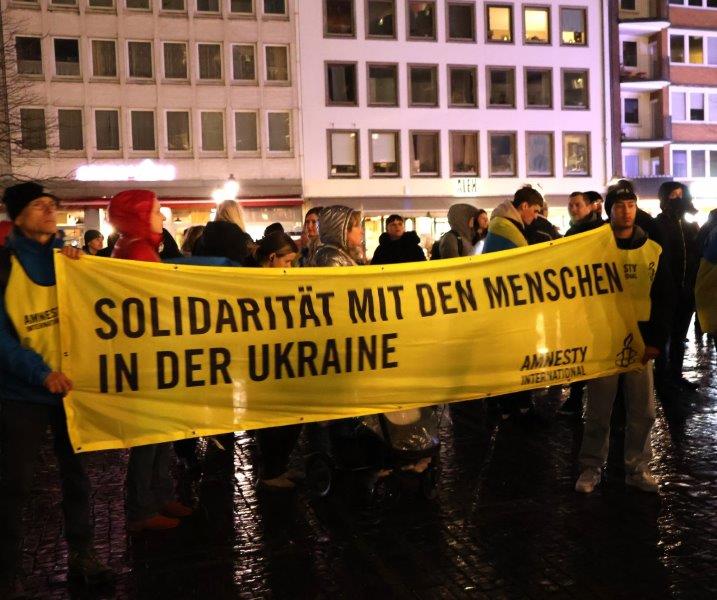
(395, 229)
(483, 221)
(528, 212)
(675, 194)
(597, 207)
(354, 236)
(97, 244)
(578, 208)
(156, 218)
(281, 261)
(622, 216)
(39, 217)
(311, 226)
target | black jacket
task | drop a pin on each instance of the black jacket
(592, 221)
(655, 331)
(645, 221)
(405, 249)
(221, 238)
(680, 244)
(541, 230)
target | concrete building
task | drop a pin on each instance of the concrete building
(410, 105)
(668, 94)
(174, 95)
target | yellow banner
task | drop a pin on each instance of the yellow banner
(160, 352)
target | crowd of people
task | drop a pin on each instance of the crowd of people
(32, 385)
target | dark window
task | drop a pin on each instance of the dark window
(175, 61)
(632, 116)
(677, 48)
(107, 129)
(501, 84)
(630, 4)
(275, 7)
(242, 6)
(29, 55)
(464, 153)
(172, 4)
(538, 88)
(461, 22)
(207, 5)
(67, 57)
(178, 131)
(339, 17)
(69, 123)
(421, 20)
(629, 54)
(381, 18)
(423, 86)
(425, 157)
(463, 86)
(244, 67)
(143, 130)
(383, 85)
(341, 83)
(575, 89)
(539, 150)
(140, 59)
(247, 139)
(502, 154)
(32, 129)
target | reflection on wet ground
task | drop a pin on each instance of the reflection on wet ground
(506, 522)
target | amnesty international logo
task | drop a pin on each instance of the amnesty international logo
(628, 354)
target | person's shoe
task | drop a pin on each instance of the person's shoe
(176, 509)
(153, 523)
(588, 481)
(84, 567)
(686, 384)
(643, 481)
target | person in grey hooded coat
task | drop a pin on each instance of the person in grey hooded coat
(340, 232)
(461, 218)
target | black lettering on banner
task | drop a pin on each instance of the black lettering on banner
(535, 287)
(396, 291)
(167, 377)
(361, 308)
(331, 358)
(127, 305)
(496, 295)
(613, 277)
(105, 318)
(225, 317)
(307, 355)
(219, 359)
(516, 288)
(553, 295)
(197, 327)
(177, 302)
(281, 356)
(388, 350)
(192, 366)
(104, 384)
(445, 297)
(270, 311)
(585, 281)
(306, 308)
(154, 314)
(285, 302)
(568, 292)
(254, 373)
(466, 295)
(125, 372)
(366, 353)
(249, 309)
(325, 298)
(426, 300)
(598, 277)
(382, 304)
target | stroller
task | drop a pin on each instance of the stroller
(386, 453)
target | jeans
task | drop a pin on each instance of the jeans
(672, 356)
(640, 416)
(23, 427)
(149, 483)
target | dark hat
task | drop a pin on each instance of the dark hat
(19, 196)
(618, 193)
(273, 228)
(92, 234)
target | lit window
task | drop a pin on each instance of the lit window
(425, 154)
(575, 89)
(697, 107)
(499, 24)
(381, 18)
(343, 154)
(697, 56)
(385, 155)
(576, 154)
(573, 28)
(536, 25)
(502, 154)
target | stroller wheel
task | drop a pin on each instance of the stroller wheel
(429, 483)
(319, 474)
(385, 491)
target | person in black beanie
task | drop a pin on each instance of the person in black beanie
(93, 242)
(683, 254)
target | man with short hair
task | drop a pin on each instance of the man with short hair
(507, 225)
(396, 245)
(582, 216)
(32, 387)
(647, 281)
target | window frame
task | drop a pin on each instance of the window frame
(352, 35)
(33, 151)
(135, 9)
(411, 103)
(72, 151)
(265, 73)
(488, 85)
(584, 10)
(449, 69)
(527, 106)
(514, 136)
(143, 152)
(188, 151)
(412, 158)
(397, 144)
(275, 16)
(327, 97)
(214, 81)
(624, 112)
(589, 154)
(368, 84)
(409, 37)
(241, 15)
(77, 77)
(208, 14)
(528, 172)
(114, 77)
(453, 173)
(247, 153)
(120, 137)
(164, 61)
(255, 80)
(371, 36)
(563, 71)
(330, 154)
(135, 78)
(543, 7)
(41, 74)
(490, 5)
(472, 5)
(212, 152)
(292, 143)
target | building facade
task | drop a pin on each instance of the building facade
(409, 106)
(175, 95)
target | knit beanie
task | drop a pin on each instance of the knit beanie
(19, 196)
(618, 193)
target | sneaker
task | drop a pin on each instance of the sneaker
(176, 509)
(588, 480)
(84, 567)
(643, 481)
(153, 523)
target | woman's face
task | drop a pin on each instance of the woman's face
(156, 218)
(354, 236)
(483, 221)
(283, 261)
(311, 226)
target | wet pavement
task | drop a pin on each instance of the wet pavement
(506, 522)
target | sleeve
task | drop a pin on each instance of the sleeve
(449, 246)
(420, 255)
(378, 258)
(15, 358)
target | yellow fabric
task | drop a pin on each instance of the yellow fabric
(640, 266)
(32, 310)
(706, 296)
(345, 342)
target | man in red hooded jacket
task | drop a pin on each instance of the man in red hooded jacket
(136, 216)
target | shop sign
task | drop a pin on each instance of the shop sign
(465, 186)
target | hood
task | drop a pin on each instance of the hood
(333, 221)
(129, 213)
(508, 211)
(409, 237)
(678, 206)
(458, 217)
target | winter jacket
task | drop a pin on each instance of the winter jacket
(405, 249)
(541, 230)
(706, 230)
(645, 221)
(505, 230)
(222, 238)
(23, 371)
(458, 217)
(168, 247)
(334, 251)
(680, 244)
(129, 212)
(655, 331)
(592, 221)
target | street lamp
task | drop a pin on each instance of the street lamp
(228, 191)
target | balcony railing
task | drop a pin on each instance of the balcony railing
(656, 128)
(658, 70)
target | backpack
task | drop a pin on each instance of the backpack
(436, 248)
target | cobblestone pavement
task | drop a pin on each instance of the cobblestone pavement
(506, 522)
